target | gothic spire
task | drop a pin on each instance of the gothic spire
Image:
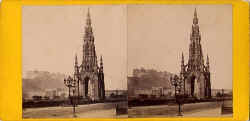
(76, 61)
(195, 13)
(207, 64)
(195, 26)
(89, 61)
(182, 59)
(195, 19)
(88, 22)
(195, 49)
(101, 63)
(207, 60)
(88, 28)
(76, 66)
(182, 63)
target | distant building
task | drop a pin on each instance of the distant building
(168, 92)
(139, 72)
(154, 91)
(57, 93)
(157, 91)
(150, 82)
(142, 72)
(138, 92)
(50, 93)
(216, 92)
(30, 95)
(109, 93)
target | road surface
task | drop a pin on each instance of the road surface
(99, 110)
(206, 109)
(107, 110)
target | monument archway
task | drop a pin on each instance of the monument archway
(192, 85)
(86, 82)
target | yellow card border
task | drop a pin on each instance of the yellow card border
(11, 62)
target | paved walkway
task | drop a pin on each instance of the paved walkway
(99, 110)
(216, 112)
(207, 109)
(107, 110)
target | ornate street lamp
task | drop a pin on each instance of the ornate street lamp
(177, 82)
(71, 84)
(222, 95)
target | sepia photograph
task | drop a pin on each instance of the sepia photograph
(127, 61)
(74, 62)
(179, 61)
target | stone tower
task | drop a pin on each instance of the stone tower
(195, 73)
(89, 75)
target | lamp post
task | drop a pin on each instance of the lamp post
(71, 84)
(74, 102)
(222, 95)
(177, 83)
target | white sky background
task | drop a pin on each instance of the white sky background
(158, 34)
(52, 35)
(155, 34)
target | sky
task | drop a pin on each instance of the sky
(158, 34)
(53, 35)
(128, 37)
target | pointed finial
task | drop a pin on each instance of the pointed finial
(88, 18)
(101, 59)
(88, 14)
(207, 63)
(76, 61)
(195, 13)
(182, 59)
(101, 64)
(195, 20)
(207, 59)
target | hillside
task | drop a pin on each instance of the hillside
(39, 81)
(148, 79)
